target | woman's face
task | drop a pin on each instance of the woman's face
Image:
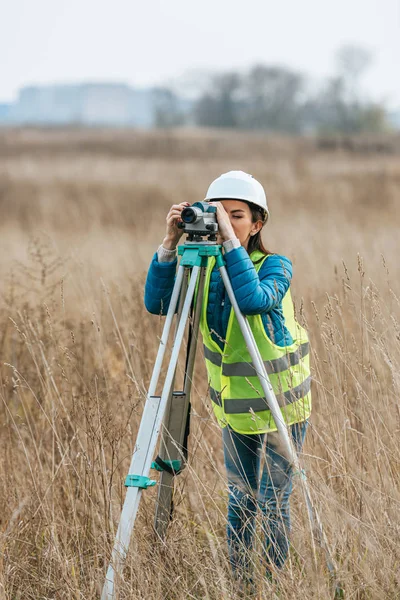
(239, 214)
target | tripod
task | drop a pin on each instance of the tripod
(174, 408)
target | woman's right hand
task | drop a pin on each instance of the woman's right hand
(173, 232)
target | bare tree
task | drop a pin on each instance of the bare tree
(341, 105)
(272, 99)
(167, 109)
(218, 107)
(275, 98)
(352, 61)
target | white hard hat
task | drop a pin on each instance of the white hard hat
(238, 185)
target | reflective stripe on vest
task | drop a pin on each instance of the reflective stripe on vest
(234, 406)
(214, 357)
(215, 396)
(246, 369)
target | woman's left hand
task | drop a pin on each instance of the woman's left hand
(225, 228)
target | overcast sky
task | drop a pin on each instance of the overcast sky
(152, 41)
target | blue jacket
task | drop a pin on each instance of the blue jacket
(256, 293)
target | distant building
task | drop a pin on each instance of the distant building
(84, 104)
(4, 111)
(394, 119)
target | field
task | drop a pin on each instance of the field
(82, 212)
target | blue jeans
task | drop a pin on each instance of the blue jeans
(270, 492)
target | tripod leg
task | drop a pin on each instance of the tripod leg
(281, 425)
(148, 432)
(166, 332)
(170, 452)
(176, 423)
(169, 431)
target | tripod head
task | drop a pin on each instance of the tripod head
(199, 221)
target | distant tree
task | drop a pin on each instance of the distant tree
(272, 99)
(340, 106)
(278, 99)
(266, 98)
(206, 111)
(218, 106)
(328, 111)
(352, 61)
(167, 110)
(374, 119)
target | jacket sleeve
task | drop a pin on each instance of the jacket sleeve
(159, 285)
(260, 292)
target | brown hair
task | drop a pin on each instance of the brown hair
(255, 241)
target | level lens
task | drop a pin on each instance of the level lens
(188, 215)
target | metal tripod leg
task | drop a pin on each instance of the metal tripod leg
(148, 431)
(176, 419)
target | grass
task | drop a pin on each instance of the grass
(82, 213)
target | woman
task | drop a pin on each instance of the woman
(261, 282)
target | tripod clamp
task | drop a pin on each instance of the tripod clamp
(139, 481)
(196, 254)
(173, 467)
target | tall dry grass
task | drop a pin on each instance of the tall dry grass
(81, 215)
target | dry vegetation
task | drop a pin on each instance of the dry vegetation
(81, 215)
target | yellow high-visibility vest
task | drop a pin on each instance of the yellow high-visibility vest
(235, 390)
